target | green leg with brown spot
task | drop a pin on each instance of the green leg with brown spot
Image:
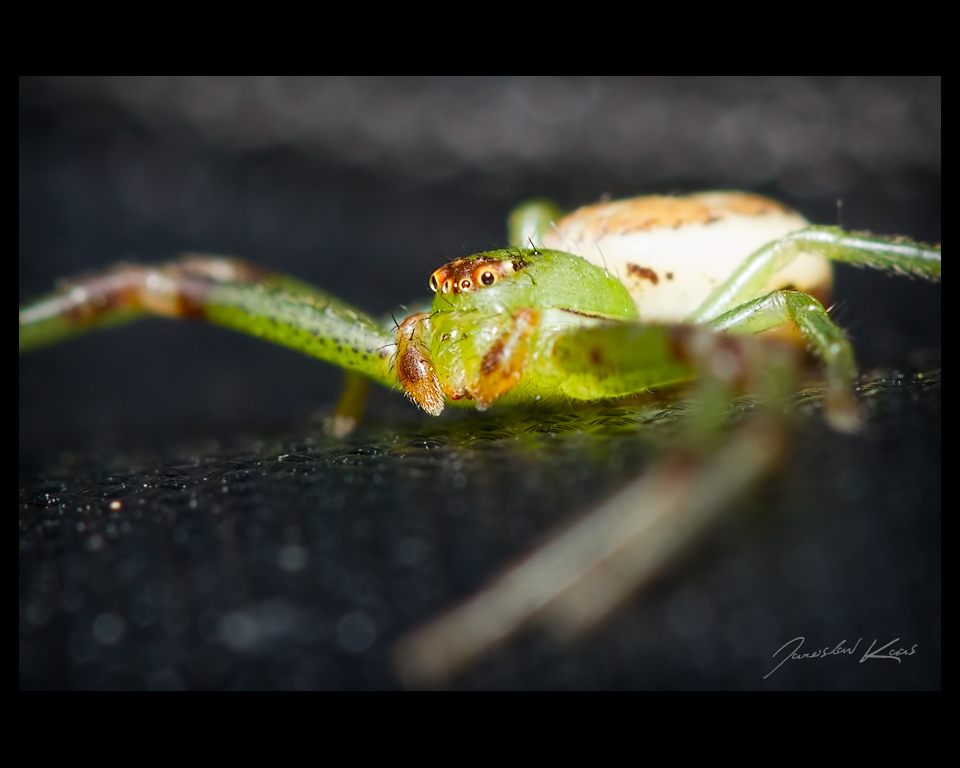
(228, 292)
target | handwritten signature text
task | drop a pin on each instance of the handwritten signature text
(839, 649)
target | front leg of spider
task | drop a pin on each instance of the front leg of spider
(504, 363)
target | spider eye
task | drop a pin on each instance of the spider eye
(465, 284)
(434, 283)
(488, 278)
(446, 286)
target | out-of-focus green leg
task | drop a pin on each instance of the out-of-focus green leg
(627, 358)
(349, 407)
(529, 221)
(620, 359)
(826, 337)
(45, 321)
(897, 255)
(228, 292)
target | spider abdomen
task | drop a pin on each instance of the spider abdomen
(672, 252)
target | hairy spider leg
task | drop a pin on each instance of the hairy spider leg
(414, 369)
(824, 335)
(225, 291)
(899, 256)
(732, 307)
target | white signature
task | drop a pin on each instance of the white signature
(840, 650)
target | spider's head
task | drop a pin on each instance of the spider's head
(498, 282)
(475, 273)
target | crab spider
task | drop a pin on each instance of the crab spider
(612, 300)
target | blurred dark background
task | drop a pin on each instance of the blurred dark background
(364, 186)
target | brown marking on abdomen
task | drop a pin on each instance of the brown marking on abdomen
(643, 273)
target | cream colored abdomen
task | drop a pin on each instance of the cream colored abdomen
(671, 252)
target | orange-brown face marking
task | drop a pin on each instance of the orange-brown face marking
(465, 275)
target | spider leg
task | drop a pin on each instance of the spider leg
(897, 255)
(621, 359)
(530, 220)
(504, 363)
(349, 406)
(224, 291)
(826, 337)
(578, 577)
(617, 359)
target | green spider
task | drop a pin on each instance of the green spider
(610, 301)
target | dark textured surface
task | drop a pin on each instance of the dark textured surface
(250, 551)
(298, 562)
